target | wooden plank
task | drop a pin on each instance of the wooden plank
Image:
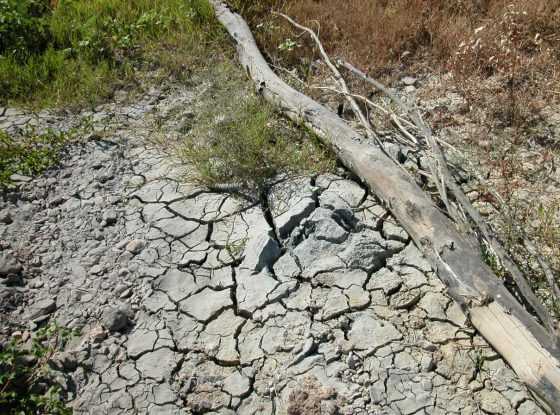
(493, 311)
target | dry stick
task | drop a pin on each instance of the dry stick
(436, 166)
(464, 202)
(531, 351)
(545, 267)
(529, 246)
(389, 113)
(338, 78)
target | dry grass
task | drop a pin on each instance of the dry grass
(517, 42)
(469, 37)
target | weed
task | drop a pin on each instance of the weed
(236, 138)
(30, 154)
(27, 384)
(74, 51)
(250, 147)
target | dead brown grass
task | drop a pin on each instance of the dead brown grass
(517, 41)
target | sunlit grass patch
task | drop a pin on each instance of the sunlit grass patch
(75, 52)
(30, 154)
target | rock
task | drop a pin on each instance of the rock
(10, 298)
(287, 221)
(394, 232)
(260, 252)
(493, 402)
(66, 361)
(110, 217)
(42, 307)
(97, 334)
(349, 191)
(406, 299)
(6, 217)
(409, 80)
(237, 385)
(9, 264)
(115, 319)
(427, 364)
(135, 246)
(96, 270)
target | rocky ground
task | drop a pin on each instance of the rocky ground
(190, 301)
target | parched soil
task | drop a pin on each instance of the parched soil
(190, 301)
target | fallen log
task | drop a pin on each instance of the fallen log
(530, 350)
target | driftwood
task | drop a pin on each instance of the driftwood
(530, 350)
(444, 179)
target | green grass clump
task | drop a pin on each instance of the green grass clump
(242, 141)
(27, 382)
(30, 154)
(75, 51)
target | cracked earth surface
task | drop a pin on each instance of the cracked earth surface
(192, 302)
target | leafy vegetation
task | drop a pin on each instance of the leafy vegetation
(74, 51)
(249, 147)
(236, 138)
(29, 154)
(27, 382)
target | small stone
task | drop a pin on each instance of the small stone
(5, 217)
(406, 299)
(353, 361)
(427, 364)
(97, 334)
(42, 307)
(37, 284)
(261, 252)
(409, 80)
(57, 201)
(109, 217)
(126, 293)
(135, 246)
(20, 178)
(67, 361)
(9, 265)
(96, 270)
(114, 319)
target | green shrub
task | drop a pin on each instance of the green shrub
(45, 52)
(249, 146)
(23, 27)
(27, 382)
(28, 155)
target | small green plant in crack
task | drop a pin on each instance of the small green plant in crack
(29, 154)
(246, 145)
(236, 248)
(27, 382)
(492, 260)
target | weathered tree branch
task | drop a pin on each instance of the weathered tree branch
(444, 180)
(493, 311)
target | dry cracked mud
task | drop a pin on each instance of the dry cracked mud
(190, 301)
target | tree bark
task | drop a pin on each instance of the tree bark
(456, 258)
